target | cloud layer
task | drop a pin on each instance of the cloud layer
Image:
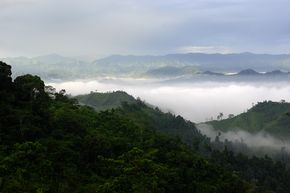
(196, 101)
(71, 27)
(258, 144)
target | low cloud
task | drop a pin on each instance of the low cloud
(196, 101)
(260, 141)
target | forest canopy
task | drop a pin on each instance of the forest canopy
(50, 143)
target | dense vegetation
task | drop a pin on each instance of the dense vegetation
(49, 143)
(143, 115)
(265, 116)
(105, 101)
(268, 174)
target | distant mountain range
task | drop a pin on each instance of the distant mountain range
(248, 72)
(203, 62)
(51, 66)
(170, 71)
(54, 66)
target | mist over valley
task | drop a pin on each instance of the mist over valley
(196, 101)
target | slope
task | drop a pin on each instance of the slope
(265, 116)
(105, 101)
(143, 114)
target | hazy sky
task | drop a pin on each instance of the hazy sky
(103, 27)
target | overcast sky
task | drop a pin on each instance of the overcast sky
(104, 27)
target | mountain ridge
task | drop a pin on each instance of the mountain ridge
(55, 66)
(265, 116)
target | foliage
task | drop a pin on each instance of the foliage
(217, 151)
(265, 116)
(105, 101)
(52, 144)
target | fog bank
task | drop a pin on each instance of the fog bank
(196, 101)
(261, 139)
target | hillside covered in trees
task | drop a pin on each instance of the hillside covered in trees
(50, 143)
(265, 116)
(142, 114)
(105, 101)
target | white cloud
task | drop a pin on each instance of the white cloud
(196, 101)
(10, 3)
(84, 27)
(258, 140)
(206, 49)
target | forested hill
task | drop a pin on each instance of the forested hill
(51, 144)
(142, 114)
(267, 116)
(105, 101)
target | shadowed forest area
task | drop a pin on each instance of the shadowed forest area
(50, 143)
